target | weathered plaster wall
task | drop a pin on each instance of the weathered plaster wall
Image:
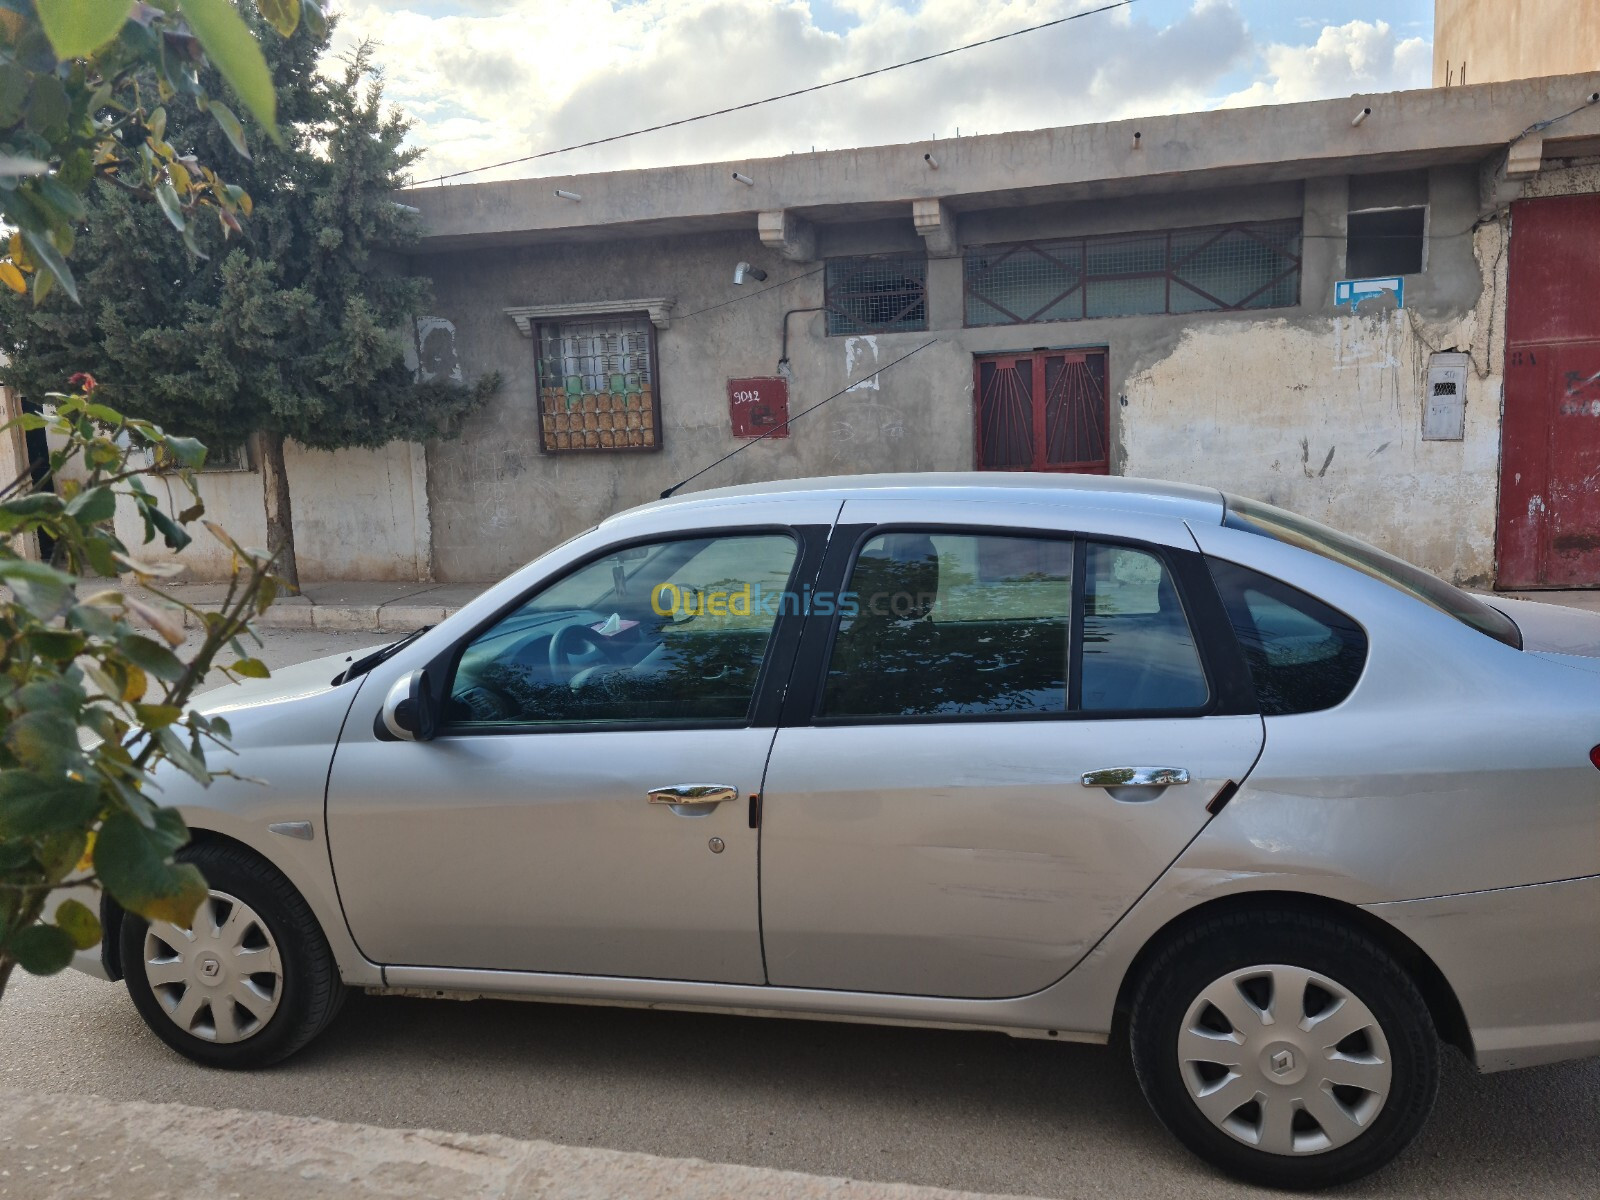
(1252, 402)
(358, 514)
(1324, 415)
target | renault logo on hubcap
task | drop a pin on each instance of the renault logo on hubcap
(1282, 1062)
(210, 967)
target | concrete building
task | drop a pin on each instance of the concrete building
(1305, 303)
(1488, 41)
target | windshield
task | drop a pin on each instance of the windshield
(1281, 525)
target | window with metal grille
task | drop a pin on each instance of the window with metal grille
(597, 385)
(878, 293)
(1219, 268)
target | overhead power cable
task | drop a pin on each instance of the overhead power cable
(784, 424)
(816, 87)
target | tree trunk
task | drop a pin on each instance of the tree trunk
(280, 515)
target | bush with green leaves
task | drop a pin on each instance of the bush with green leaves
(95, 686)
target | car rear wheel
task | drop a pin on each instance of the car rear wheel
(1285, 1049)
(249, 982)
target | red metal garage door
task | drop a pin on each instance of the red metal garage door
(1044, 411)
(1549, 527)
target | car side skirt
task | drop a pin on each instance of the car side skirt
(1017, 1017)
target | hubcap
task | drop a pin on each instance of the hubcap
(1284, 1059)
(221, 980)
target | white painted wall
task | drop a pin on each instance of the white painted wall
(358, 514)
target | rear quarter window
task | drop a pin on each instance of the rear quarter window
(1303, 655)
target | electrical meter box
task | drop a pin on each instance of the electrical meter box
(1444, 407)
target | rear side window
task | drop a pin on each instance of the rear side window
(1303, 655)
(1138, 652)
(1283, 526)
(945, 624)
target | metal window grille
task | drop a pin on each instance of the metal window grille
(597, 385)
(1220, 268)
(880, 293)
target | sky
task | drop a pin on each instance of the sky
(488, 80)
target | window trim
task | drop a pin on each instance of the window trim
(537, 326)
(810, 541)
(1231, 691)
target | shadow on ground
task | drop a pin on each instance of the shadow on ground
(960, 1110)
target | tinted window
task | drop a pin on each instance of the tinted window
(1284, 526)
(1138, 651)
(952, 624)
(1303, 655)
(671, 632)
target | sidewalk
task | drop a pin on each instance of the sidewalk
(61, 1147)
(348, 606)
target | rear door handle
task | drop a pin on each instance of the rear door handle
(1137, 777)
(693, 799)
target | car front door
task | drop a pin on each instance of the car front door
(1011, 727)
(585, 807)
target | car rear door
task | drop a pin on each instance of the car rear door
(1002, 729)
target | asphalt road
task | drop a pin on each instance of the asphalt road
(961, 1110)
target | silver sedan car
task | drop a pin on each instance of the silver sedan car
(1066, 758)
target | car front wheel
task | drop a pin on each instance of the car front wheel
(249, 982)
(1286, 1049)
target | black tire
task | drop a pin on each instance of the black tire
(1214, 949)
(311, 991)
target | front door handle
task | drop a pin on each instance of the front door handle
(693, 799)
(1136, 777)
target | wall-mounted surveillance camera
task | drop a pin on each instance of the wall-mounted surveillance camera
(745, 271)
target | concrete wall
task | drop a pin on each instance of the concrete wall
(1253, 402)
(1483, 41)
(358, 514)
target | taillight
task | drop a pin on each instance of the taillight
(1594, 757)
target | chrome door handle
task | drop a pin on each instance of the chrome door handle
(1121, 777)
(693, 799)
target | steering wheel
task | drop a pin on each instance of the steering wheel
(567, 643)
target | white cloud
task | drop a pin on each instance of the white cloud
(487, 80)
(1359, 56)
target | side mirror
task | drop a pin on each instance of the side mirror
(407, 714)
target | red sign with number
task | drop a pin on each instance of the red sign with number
(759, 407)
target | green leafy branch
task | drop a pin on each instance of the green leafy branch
(83, 85)
(94, 693)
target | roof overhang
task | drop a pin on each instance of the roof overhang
(1221, 148)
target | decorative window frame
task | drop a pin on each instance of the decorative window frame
(529, 316)
(555, 425)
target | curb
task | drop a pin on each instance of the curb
(345, 618)
(61, 1147)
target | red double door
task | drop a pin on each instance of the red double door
(1043, 411)
(1549, 523)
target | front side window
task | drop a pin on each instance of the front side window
(1283, 526)
(671, 632)
(1303, 655)
(943, 624)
